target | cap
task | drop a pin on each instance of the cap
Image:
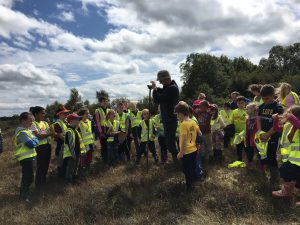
(72, 117)
(162, 75)
(63, 110)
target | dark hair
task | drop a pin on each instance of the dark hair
(204, 103)
(82, 111)
(267, 90)
(191, 112)
(36, 110)
(183, 109)
(240, 98)
(24, 116)
(226, 104)
(102, 98)
(255, 87)
(295, 110)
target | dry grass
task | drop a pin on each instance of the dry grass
(128, 195)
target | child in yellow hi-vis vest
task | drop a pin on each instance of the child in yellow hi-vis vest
(146, 136)
(238, 119)
(73, 147)
(85, 130)
(113, 130)
(25, 143)
(290, 150)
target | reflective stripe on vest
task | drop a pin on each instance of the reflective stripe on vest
(144, 133)
(86, 132)
(42, 127)
(115, 128)
(262, 147)
(284, 142)
(135, 119)
(102, 115)
(21, 150)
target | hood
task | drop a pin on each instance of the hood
(173, 83)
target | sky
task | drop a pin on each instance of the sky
(48, 47)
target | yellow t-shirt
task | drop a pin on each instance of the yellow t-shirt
(238, 118)
(189, 128)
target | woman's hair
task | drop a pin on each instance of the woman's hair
(83, 111)
(284, 90)
(37, 109)
(295, 110)
(204, 103)
(255, 87)
(214, 108)
(24, 116)
(226, 104)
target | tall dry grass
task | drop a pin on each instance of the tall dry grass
(128, 194)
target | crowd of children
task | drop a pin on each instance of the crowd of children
(255, 128)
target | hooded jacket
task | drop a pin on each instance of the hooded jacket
(167, 97)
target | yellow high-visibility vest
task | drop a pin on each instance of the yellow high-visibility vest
(262, 147)
(135, 119)
(215, 124)
(115, 127)
(67, 153)
(21, 150)
(42, 126)
(144, 133)
(102, 116)
(239, 138)
(294, 95)
(225, 116)
(122, 121)
(284, 142)
(62, 125)
(294, 149)
(86, 132)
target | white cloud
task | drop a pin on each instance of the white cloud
(8, 3)
(66, 16)
(72, 77)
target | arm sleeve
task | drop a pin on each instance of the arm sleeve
(98, 122)
(69, 140)
(294, 121)
(156, 95)
(289, 101)
(139, 131)
(222, 122)
(30, 143)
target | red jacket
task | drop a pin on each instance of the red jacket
(250, 135)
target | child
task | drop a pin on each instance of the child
(42, 131)
(265, 124)
(188, 147)
(217, 126)
(251, 129)
(203, 116)
(72, 148)
(135, 119)
(112, 137)
(123, 119)
(161, 138)
(60, 129)
(146, 128)
(25, 143)
(290, 169)
(100, 118)
(238, 119)
(225, 113)
(255, 90)
(85, 130)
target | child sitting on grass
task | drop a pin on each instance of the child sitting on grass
(188, 132)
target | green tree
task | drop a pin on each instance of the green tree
(144, 104)
(74, 97)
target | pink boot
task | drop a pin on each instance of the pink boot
(286, 191)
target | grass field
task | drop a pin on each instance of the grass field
(128, 194)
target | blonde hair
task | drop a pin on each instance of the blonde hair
(284, 90)
(109, 113)
(253, 105)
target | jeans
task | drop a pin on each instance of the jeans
(124, 151)
(27, 177)
(199, 164)
(112, 151)
(239, 151)
(71, 169)
(142, 149)
(170, 136)
(271, 159)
